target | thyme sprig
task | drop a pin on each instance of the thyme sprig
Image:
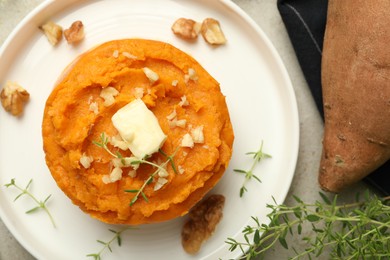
(149, 180)
(170, 159)
(25, 191)
(103, 144)
(108, 245)
(358, 230)
(249, 174)
(136, 161)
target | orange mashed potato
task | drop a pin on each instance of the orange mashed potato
(76, 115)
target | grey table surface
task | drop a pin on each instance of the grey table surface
(304, 185)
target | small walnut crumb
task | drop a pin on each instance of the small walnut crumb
(212, 32)
(151, 75)
(85, 161)
(204, 218)
(109, 94)
(75, 33)
(175, 82)
(115, 54)
(52, 31)
(184, 101)
(173, 121)
(114, 176)
(181, 123)
(94, 107)
(197, 135)
(187, 141)
(160, 183)
(13, 98)
(129, 55)
(132, 173)
(186, 28)
(190, 76)
(180, 169)
(186, 78)
(125, 162)
(138, 92)
(172, 115)
(162, 173)
(117, 162)
(118, 142)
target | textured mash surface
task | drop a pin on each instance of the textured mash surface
(70, 127)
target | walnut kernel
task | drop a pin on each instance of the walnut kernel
(52, 31)
(186, 28)
(75, 33)
(13, 98)
(212, 32)
(204, 218)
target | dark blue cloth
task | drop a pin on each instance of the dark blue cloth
(305, 21)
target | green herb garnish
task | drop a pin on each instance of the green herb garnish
(257, 156)
(149, 180)
(107, 245)
(358, 230)
(25, 191)
(136, 161)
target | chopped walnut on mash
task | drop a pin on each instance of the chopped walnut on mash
(204, 218)
(13, 98)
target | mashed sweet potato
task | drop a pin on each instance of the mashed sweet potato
(76, 115)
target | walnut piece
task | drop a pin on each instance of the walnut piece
(204, 218)
(212, 32)
(13, 97)
(186, 28)
(75, 33)
(52, 31)
(109, 94)
(151, 75)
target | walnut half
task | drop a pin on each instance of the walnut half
(212, 32)
(186, 28)
(204, 218)
(75, 33)
(52, 31)
(13, 98)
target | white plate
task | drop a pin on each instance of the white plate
(259, 95)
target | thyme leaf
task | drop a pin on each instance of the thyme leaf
(170, 159)
(25, 191)
(249, 174)
(108, 245)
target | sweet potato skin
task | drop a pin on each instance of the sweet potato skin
(356, 91)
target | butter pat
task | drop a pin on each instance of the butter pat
(139, 128)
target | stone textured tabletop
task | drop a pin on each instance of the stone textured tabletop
(266, 15)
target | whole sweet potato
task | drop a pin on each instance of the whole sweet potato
(356, 91)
